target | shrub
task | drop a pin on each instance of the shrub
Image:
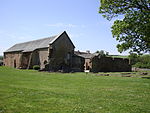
(142, 65)
(138, 64)
(145, 60)
(140, 61)
(36, 67)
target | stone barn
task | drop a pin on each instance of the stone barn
(52, 53)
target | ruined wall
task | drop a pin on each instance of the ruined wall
(24, 60)
(60, 53)
(87, 64)
(38, 57)
(121, 64)
(12, 59)
(34, 60)
(43, 56)
(109, 64)
(78, 64)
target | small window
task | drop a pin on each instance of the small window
(69, 56)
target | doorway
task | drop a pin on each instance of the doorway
(14, 63)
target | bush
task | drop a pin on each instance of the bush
(138, 64)
(143, 62)
(36, 67)
(142, 65)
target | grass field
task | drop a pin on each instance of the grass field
(28, 91)
(119, 56)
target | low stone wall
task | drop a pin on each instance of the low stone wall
(109, 64)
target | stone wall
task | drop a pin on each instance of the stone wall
(12, 59)
(25, 60)
(109, 64)
(60, 53)
(34, 60)
(78, 64)
(43, 56)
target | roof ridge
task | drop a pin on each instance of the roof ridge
(36, 40)
(34, 44)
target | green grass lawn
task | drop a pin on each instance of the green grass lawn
(119, 56)
(28, 91)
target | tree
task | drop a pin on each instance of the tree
(102, 53)
(133, 58)
(142, 61)
(133, 31)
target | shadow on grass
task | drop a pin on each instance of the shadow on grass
(146, 77)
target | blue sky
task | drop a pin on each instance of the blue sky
(25, 20)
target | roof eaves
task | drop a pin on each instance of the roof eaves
(56, 38)
(13, 51)
(69, 39)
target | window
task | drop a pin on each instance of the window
(69, 56)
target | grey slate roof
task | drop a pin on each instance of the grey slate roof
(33, 45)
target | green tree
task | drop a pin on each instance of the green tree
(102, 53)
(133, 31)
(143, 62)
(133, 58)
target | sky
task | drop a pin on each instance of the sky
(26, 20)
